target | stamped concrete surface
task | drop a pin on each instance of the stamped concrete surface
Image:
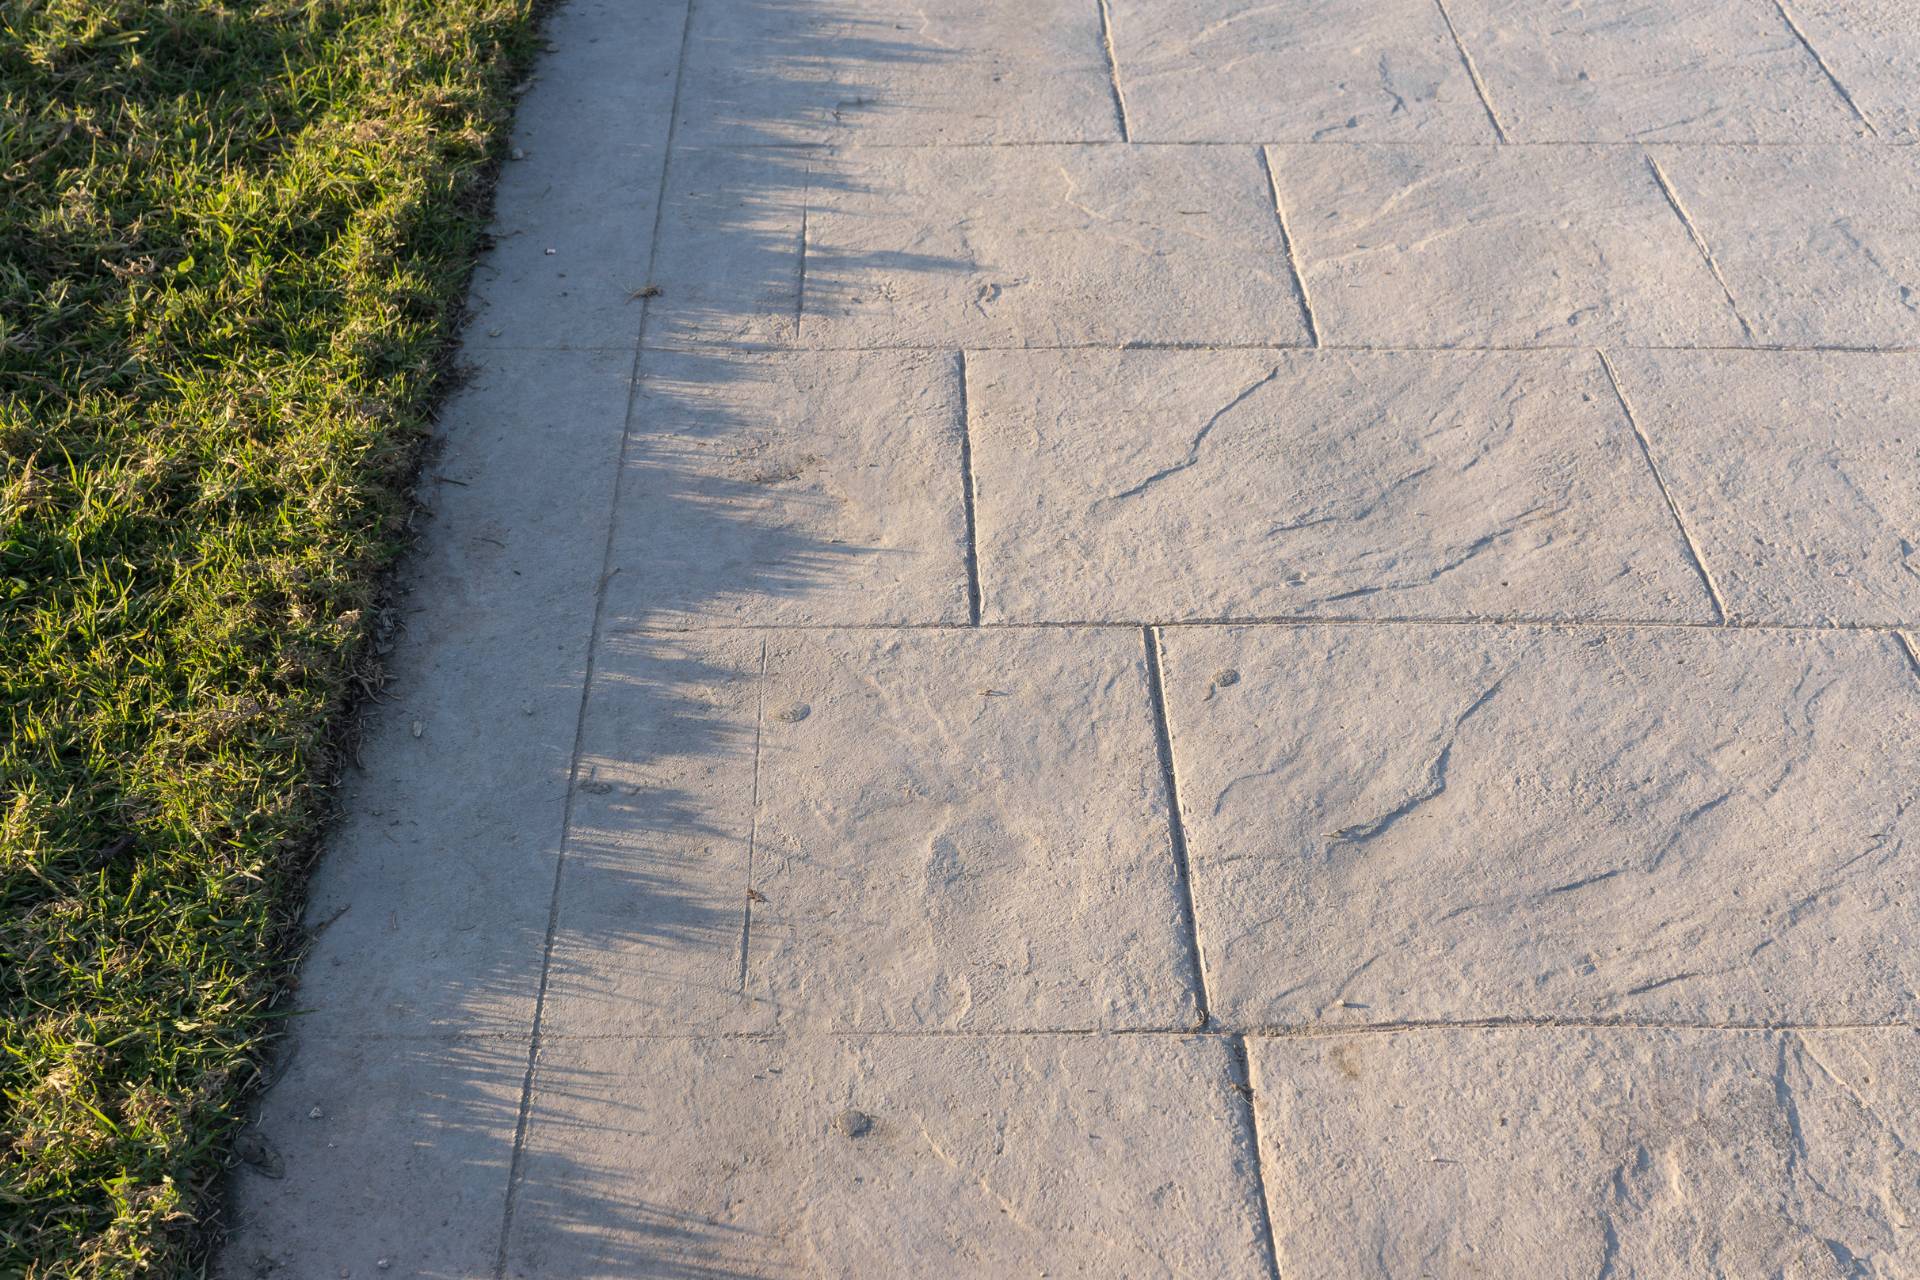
(1352, 70)
(1201, 485)
(1116, 638)
(1830, 258)
(1575, 1152)
(1403, 823)
(1557, 246)
(1626, 71)
(889, 1156)
(1003, 783)
(792, 488)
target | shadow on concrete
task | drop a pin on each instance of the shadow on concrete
(434, 1117)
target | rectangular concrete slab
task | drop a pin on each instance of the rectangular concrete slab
(829, 1156)
(973, 246)
(728, 270)
(1165, 485)
(1404, 823)
(378, 1157)
(929, 829)
(890, 72)
(1629, 71)
(1820, 246)
(652, 899)
(1046, 246)
(1227, 71)
(574, 210)
(1797, 474)
(1872, 48)
(1496, 246)
(1564, 1153)
(431, 903)
(961, 829)
(822, 487)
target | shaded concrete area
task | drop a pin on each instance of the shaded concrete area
(1093, 637)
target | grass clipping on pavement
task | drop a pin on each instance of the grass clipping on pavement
(233, 240)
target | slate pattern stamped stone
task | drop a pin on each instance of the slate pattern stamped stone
(1177, 485)
(1453, 823)
(1229, 71)
(1046, 246)
(998, 1156)
(891, 72)
(652, 896)
(919, 830)
(914, 441)
(1873, 49)
(807, 488)
(966, 830)
(1628, 71)
(1820, 246)
(1496, 246)
(1566, 1153)
(974, 246)
(1797, 474)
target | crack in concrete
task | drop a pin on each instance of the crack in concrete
(1434, 786)
(1193, 446)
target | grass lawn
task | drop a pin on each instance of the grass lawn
(233, 240)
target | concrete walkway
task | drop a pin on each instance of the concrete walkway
(1132, 638)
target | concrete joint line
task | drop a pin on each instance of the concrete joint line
(1314, 1031)
(800, 275)
(1912, 650)
(849, 146)
(1699, 241)
(516, 1163)
(1249, 1090)
(1786, 16)
(1363, 348)
(1113, 72)
(1473, 73)
(1673, 507)
(753, 819)
(1176, 826)
(1293, 258)
(968, 498)
(1331, 1031)
(1297, 1031)
(1300, 620)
